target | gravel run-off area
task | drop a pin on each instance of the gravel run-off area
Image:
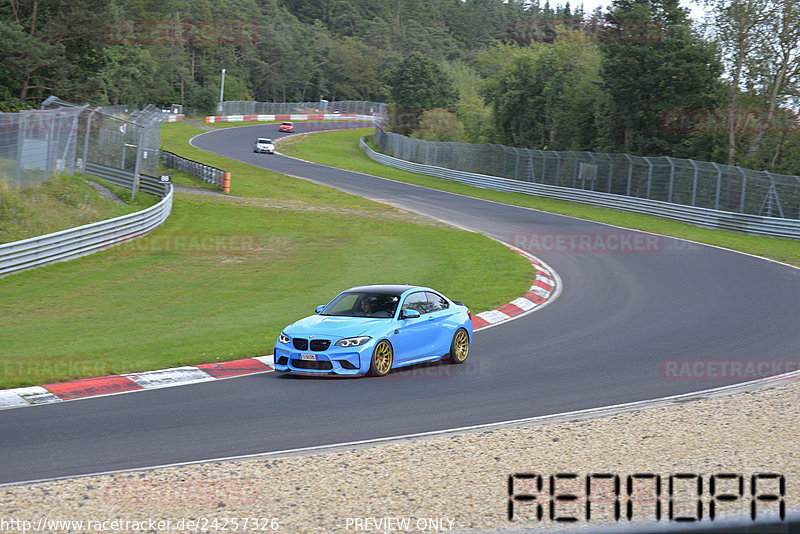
(451, 483)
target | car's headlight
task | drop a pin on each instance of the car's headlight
(352, 341)
(283, 338)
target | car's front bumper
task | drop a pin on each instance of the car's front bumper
(332, 361)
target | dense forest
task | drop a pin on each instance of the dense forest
(639, 77)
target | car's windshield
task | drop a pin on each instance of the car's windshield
(362, 304)
(265, 141)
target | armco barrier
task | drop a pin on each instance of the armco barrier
(709, 218)
(207, 173)
(148, 184)
(89, 238)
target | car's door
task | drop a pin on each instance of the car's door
(440, 325)
(412, 342)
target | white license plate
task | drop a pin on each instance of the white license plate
(309, 357)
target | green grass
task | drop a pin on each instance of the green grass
(249, 180)
(340, 149)
(222, 276)
(183, 179)
(57, 204)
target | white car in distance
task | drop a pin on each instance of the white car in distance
(264, 145)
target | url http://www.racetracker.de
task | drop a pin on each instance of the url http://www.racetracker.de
(148, 524)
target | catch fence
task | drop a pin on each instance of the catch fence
(65, 137)
(685, 182)
(344, 107)
(36, 144)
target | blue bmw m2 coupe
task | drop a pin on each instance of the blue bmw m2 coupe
(374, 329)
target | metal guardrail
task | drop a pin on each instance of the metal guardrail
(207, 173)
(705, 217)
(148, 184)
(87, 239)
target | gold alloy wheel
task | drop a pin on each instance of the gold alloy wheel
(460, 346)
(382, 358)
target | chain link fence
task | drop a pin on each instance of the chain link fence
(36, 144)
(679, 181)
(344, 107)
(64, 137)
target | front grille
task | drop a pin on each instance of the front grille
(300, 343)
(316, 366)
(320, 344)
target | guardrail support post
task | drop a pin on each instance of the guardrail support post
(744, 190)
(544, 166)
(575, 165)
(694, 183)
(558, 167)
(86, 139)
(135, 186)
(671, 178)
(630, 174)
(719, 184)
(23, 123)
(52, 146)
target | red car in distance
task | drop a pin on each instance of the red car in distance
(286, 127)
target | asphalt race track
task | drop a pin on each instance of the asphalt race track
(610, 337)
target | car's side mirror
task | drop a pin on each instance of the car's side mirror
(320, 308)
(409, 314)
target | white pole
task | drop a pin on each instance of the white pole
(221, 91)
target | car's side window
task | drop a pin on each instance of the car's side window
(437, 302)
(417, 301)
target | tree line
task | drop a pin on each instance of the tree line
(639, 78)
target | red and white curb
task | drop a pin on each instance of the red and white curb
(544, 290)
(109, 385)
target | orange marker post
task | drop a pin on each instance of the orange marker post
(226, 183)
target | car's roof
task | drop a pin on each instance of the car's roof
(389, 289)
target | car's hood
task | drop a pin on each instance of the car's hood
(326, 325)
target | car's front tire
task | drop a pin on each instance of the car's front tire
(459, 347)
(382, 358)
